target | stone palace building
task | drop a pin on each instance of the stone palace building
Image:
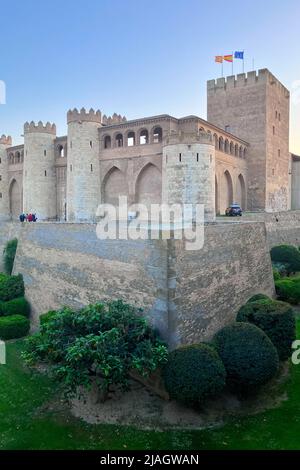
(240, 154)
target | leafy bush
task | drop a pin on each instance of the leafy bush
(288, 290)
(249, 357)
(101, 342)
(14, 326)
(194, 373)
(288, 255)
(256, 297)
(9, 253)
(276, 319)
(276, 274)
(11, 287)
(18, 306)
(281, 268)
(45, 317)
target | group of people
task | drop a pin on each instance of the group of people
(28, 218)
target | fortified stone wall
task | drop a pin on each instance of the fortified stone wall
(187, 294)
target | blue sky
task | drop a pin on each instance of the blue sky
(137, 57)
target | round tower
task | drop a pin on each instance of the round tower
(39, 180)
(83, 174)
(189, 171)
(5, 143)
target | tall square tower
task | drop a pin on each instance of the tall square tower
(255, 107)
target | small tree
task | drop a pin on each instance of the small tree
(101, 343)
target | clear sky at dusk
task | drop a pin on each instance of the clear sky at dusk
(137, 57)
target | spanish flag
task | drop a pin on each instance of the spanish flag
(228, 58)
(219, 58)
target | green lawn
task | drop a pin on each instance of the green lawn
(31, 417)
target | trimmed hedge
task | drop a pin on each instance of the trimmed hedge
(11, 287)
(14, 326)
(287, 254)
(256, 297)
(194, 373)
(9, 253)
(249, 357)
(45, 317)
(288, 290)
(276, 319)
(18, 306)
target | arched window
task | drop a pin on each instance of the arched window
(236, 150)
(231, 148)
(216, 141)
(130, 139)
(144, 137)
(241, 152)
(245, 152)
(17, 157)
(221, 144)
(61, 151)
(107, 142)
(119, 140)
(157, 135)
(11, 158)
(226, 146)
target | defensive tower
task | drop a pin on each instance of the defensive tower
(5, 142)
(83, 173)
(39, 181)
(256, 108)
(189, 170)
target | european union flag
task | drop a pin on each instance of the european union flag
(239, 55)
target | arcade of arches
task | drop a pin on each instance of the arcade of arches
(229, 189)
(15, 199)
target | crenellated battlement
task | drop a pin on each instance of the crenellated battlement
(173, 138)
(245, 79)
(74, 115)
(114, 119)
(48, 128)
(6, 140)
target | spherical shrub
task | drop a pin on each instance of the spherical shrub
(256, 297)
(249, 357)
(276, 319)
(288, 290)
(11, 287)
(287, 254)
(194, 373)
(18, 306)
(14, 326)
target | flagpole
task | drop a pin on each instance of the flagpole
(222, 69)
(243, 61)
(232, 64)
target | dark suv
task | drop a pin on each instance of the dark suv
(234, 210)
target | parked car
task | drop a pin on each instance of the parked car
(234, 210)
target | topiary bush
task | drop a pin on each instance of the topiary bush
(9, 253)
(101, 344)
(14, 326)
(11, 287)
(288, 290)
(194, 373)
(288, 255)
(249, 357)
(276, 319)
(256, 297)
(18, 306)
